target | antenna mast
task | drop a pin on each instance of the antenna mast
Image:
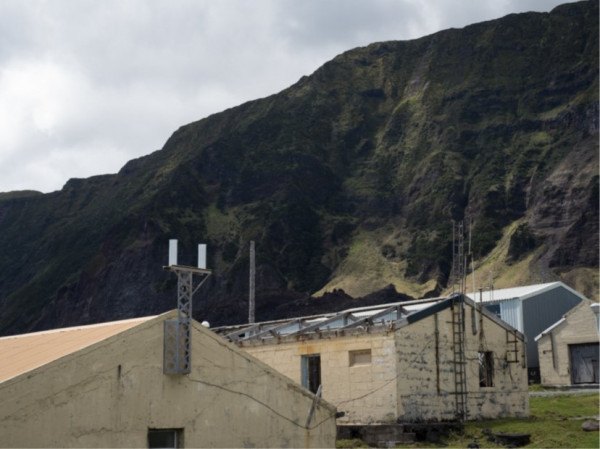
(251, 304)
(471, 255)
(177, 333)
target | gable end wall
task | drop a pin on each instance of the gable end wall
(426, 385)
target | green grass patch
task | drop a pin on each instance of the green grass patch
(554, 422)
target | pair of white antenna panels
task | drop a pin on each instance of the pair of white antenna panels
(173, 254)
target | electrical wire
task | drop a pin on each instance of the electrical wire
(262, 403)
(473, 368)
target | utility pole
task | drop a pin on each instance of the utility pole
(251, 305)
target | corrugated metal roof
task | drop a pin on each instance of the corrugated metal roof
(22, 353)
(521, 293)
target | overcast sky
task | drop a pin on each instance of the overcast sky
(86, 85)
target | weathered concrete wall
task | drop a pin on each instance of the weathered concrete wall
(411, 374)
(111, 393)
(553, 348)
(365, 392)
(425, 360)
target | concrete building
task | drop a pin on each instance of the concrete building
(418, 361)
(530, 309)
(569, 349)
(105, 386)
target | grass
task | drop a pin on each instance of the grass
(554, 422)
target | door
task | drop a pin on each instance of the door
(584, 363)
(311, 372)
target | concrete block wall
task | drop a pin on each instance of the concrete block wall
(579, 328)
(411, 374)
(427, 385)
(365, 392)
(509, 395)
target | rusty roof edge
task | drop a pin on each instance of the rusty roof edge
(142, 325)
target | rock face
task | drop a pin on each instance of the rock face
(349, 179)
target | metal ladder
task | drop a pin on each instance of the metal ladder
(512, 355)
(460, 380)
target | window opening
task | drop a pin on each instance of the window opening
(360, 357)
(311, 372)
(165, 438)
(495, 309)
(486, 369)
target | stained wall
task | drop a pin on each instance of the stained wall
(111, 393)
(425, 357)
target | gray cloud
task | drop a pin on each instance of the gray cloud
(87, 85)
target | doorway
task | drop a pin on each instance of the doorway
(584, 363)
(311, 372)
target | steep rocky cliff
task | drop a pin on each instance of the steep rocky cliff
(353, 178)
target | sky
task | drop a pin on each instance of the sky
(87, 85)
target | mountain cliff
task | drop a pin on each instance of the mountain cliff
(350, 181)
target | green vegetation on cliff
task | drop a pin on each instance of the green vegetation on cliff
(351, 178)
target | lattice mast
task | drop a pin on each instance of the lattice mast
(177, 344)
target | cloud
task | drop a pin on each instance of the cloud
(87, 85)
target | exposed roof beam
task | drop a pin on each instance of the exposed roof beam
(371, 319)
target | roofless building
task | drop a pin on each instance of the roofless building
(409, 362)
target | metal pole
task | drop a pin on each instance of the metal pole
(314, 405)
(251, 305)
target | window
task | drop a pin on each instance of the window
(360, 357)
(311, 372)
(495, 309)
(165, 438)
(486, 369)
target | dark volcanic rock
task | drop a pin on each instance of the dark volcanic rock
(384, 147)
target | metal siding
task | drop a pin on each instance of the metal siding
(542, 311)
(510, 312)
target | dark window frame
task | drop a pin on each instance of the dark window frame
(165, 438)
(311, 372)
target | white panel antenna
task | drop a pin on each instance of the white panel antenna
(202, 256)
(172, 252)
(177, 335)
